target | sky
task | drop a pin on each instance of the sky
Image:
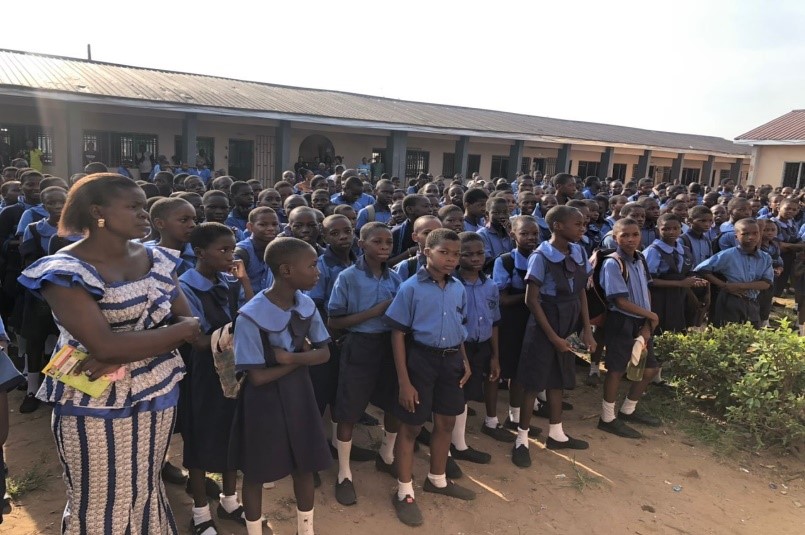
(707, 67)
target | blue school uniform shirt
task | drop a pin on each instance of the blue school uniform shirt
(701, 247)
(186, 255)
(608, 241)
(607, 225)
(726, 226)
(495, 244)
(786, 231)
(382, 215)
(261, 314)
(773, 250)
(233, 221)
(538, 270)
(469, 226)
(402, 267)
(434, 316)
(801, 232)
(635, 289)
(357, 289)
(45, 231)
(361, 202)
(504, 280)
(648, 235)
(30, 215)
(727, 240)
(330, 266)
(192, 279)
(483, 307)
(736, 265)
(260, 276)
(656, 263)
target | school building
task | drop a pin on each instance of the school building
(778, 151)
(257, 130)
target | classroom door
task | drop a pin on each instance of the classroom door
(241, 158)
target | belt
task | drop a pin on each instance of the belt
(477, 344)
(441, 351)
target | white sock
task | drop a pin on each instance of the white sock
(657, 378)
(439, 482)
(229, 503)
(607, 411)
(514, 414)
(460, 427)
(628, 406)
(33, 382)
(594, 369)
(802, 329)
(343, 460)
(522, 438)
(405, 489)
(387, 447)
(304, 522)
(491, 421)
(556, 432)
(537, 404)
(541, 397)
(201, 515)
(254, 527)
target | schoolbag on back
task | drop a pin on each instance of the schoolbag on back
(596, 297)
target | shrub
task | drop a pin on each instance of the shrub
(752, 378)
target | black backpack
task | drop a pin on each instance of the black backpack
(507, 259)
(596, 297)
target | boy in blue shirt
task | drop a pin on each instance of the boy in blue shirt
(474, 209)
(628, 328)
(422, 227)
(352, 193)
(360, 297)
(216, 210)
(431, 368)
(495, 235)
(379, 211)
(696, 238)
(174, 219)
(243, 200)
(746, 271)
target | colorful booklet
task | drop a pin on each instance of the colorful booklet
(63, 364)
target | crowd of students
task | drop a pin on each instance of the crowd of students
(339, 293)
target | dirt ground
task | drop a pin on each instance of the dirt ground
(664, 483)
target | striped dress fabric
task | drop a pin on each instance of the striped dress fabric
(112, 447)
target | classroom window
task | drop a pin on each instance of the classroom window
(123, 147)
(205, 147)
(588, 169)
(416, 161)
(500, 167)
(473, 164)
(722, 174)
(448, 164)
(793, 174)
(619, 172)
(13, 140)
(690, 175)
(525, 165)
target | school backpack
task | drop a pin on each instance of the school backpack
(596, 296)
(222, 343)
(507, 259)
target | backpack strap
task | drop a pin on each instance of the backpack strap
(508, 264)
(370, 213)
(412, 265)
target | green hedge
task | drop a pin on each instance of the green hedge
(752, 378)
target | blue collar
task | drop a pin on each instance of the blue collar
(270, 317)
(196, 280)
(423, 274)
(481, 278)
(361, 265)
(331, 260)
(664, 247)
(555, 255)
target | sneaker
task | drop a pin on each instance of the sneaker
(235, 516)
(453, 470)
(593, 380)
(407, 510)
(423, 437)
(533, 432)
(173, 474)
(356, 453)
(617, 427)
(570, 444)
(29, 404)
(470, 454)
(642, 418)
(499, 433)
(452, 490)
(345, 493)
(521, 457)
(382, 466)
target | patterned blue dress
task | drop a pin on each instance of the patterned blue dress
(112, 447)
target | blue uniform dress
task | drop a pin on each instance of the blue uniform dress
(561, 280)
(513, 318)
(276, 430)
(736, 265)
(670, 304)
(112, 447)
(366, 373)
(483, 313)
(434, 318)
(207, 416)
(325, 376)
(621, 327)
(260, 276)
(787, 233)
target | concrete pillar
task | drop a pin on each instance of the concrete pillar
(282, 139)
(396, 147)
(707, 171)
(563, 159)
(735, 170)
(75, 140)
(643, 163)
(676, 167)
(189, 138)
(607, 163)
(462, 156)
(515, 158)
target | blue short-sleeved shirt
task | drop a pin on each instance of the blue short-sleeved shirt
(261, 314)
(329, 268)
(192, 279)
(45, 231)
(701, 248)
(786, 231)
(607, 225)
(469, 226)
(647, 236)
(538, 270)
(233, 221)
(10, 377)
(773, 250)
(260, 276)
(382, 215)
(435, 316)
(402, 267)
(656, 262)
(506, 281)
(357, 289)
(495, 244)
(361, 202)
(726, 226)
(483, 308)
(31, 215)
(635, 289)
(727, 240)
(736, 265)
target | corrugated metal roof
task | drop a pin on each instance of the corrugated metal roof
(789, 127)
(76, 76)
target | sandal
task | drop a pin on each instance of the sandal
(235, 516)
(201, 528)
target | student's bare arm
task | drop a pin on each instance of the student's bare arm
(408, 397)
(262, 376)
(627, 306)
(345, 322)
(304, 358)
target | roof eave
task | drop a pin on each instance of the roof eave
(770, 141)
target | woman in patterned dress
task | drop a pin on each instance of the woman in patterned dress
(119, 301)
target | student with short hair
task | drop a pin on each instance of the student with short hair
(216, 210)
(242, 198)
(414, 206)
(303, 224)
(452, 217)
(379, 211)
(737, 208)
(431, 368)
(565, 185)
(633, 211)
(352, 192)
(10, 191)
(649, 231)
(173, 219)
(423, 226)
(263, 227)
(320, 200)
(474, 201)
(790, 242)
(616, 202)
(770, 246)
(495, 234)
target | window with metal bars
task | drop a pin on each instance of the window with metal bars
(416, 161)
(690, 175)
(792, 174)
(448, 164)
(500, 167)
(525, 165)
(588, 169)
(205, 147)
(619, 172)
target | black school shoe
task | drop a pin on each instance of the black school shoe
(452, 490)
(543, 411)
(499, 433)
(211, 487)
(619, 428)
(470, 454)
(521, 457)
(407, 510)
(235, 516)
(382, 466)
(453, 471)
(640, 418)
(533, 432)
(29, 404)
(173, 474)
(356, 453)
(570, 444)
(345, 493)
